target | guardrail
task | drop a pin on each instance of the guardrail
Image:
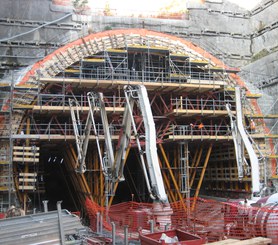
(200, 129)
(201, 104)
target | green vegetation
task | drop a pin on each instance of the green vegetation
(80, 5)
(107, 28)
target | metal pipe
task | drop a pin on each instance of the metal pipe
(45, 207)
(100, 224)
(10, 169)
(98, 218)
(113, 233)
(62, 235)
(126, 235)
(151, 222)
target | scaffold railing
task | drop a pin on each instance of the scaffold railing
(152, 75)
(63, 100)
(201, 104)
(65, 129)
(201, 129)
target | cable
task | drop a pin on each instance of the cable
(25, 33)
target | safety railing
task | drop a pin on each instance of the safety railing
(200, 129)
(154, 74)
(64, 129)
(201, 104)
(63, 100)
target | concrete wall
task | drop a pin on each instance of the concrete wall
(17, 17)
(239, 37)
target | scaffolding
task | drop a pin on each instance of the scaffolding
(188, 95)
(6, 151)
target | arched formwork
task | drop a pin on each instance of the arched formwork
(63, 73)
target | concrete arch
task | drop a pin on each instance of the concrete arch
(97, 42)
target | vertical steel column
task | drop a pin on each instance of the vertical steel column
(184, 172)
(10, 168)
(151, 222)
(184, 167)
(60, 220)
(102, 184)
(126, 235)
(45, 207)
(26, 168)
(113, 233)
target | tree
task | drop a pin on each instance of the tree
(107, 10)
(80, 5)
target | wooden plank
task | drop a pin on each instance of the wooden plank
(224, 242)
(221, 69)
(200, 137)
(253, 96)
(67, 108)
(254, 241)
(258, 136)
(272, 136)
(262, 116)
(23, 159)
(189, 112)
(5, 85)
(26, 188)
(4, 162)
(28, 174)
(180, 57)
(150, 49)
(72, 70)
(199, 62)
(94, 60)
(113, 84)
(27, 180)
(59, 137)
(117, 51)
(26, 86)
(25, 148)
(20, 106)
(23, 153)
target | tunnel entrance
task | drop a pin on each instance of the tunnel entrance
(58, 185)
(186, 89)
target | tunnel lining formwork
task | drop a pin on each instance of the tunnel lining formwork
(186, 85)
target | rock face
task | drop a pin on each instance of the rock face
(246, 39)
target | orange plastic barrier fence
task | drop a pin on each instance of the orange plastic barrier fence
(211, 219)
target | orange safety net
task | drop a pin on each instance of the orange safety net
(210, 219)
(92, 209)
